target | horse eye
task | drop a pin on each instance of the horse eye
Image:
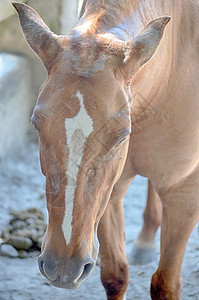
(118, 144)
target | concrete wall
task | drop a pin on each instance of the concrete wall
(6, 9)
(69, 15)
(59, 15)
(12, 39)
(15, 79)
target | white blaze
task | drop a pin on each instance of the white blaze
(77, 129)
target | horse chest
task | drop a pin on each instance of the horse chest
(164, 153)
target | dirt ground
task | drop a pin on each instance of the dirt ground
(22, 186)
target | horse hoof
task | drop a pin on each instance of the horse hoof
(142, 255)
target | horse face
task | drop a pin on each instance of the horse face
(83, 120)
(84, 126)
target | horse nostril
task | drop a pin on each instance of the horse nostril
(41, 266)
(86, 270)
(47, 269)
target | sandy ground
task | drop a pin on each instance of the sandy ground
(22, 186)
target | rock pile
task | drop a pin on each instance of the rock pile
(24, 232)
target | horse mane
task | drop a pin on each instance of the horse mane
(109, 13)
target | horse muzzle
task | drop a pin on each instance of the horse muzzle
(67, 274)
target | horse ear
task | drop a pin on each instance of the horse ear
(37, 34)
(142, 48)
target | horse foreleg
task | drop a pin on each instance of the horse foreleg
(180, 215)
(111, 233)
(144, 246)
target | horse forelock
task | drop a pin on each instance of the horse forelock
(86, 55)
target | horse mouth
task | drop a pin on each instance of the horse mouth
(65, 285)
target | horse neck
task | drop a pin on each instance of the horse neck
(103, 15)
(113, 11)
(156, 85)
(131, 16)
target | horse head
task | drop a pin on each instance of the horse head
(83, 119)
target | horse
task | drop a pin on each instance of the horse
(120, 99)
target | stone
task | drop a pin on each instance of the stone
(31, 213)
(2, 241)
(8, 250)
(20, 242)
(17, 224)
(30, 222)
(22, 254)
(6, 232)
(25, 230)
